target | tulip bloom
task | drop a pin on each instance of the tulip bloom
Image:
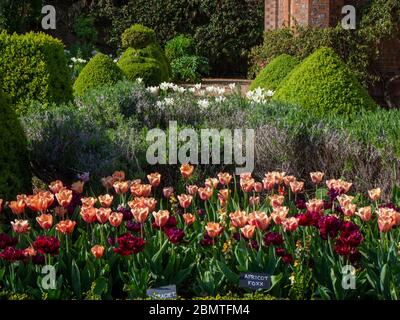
(205, 193)
(254, 200)
(66, 226)
(247, 185)
(349, 210)
(88, 202)
(316, 177)
(189, 218)
(17, 207)
(260, 220)
(121, 187)
(56, 186)
(118, 175)
(97, 251)
(88, 214)
(279, 214)
(268, 183)
(224, 178)
(258, 187)
(288, 179)
(140, 214)
(238, 218)
(115, 219)
(185, 200)
(374, 194)
(192, 189)
(214, 229)
(248, 231)
(296, 186)
(20, 226)
(276, 200)
(103, 214)
(223, 196)
(60, 211)
(141, 190)
(290, 224)
(45, 221)
(186, 170)
(315, 205)
(108, 182)
(78, 187)
(64, 197)
(167, 192)
(345, 200)
(161, 217)
(211, 182)
(154, 179)
(387, 219)
(364, 213)
(106, 200)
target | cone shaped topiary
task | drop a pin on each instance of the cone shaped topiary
(99, 71)
(15, 174)
(323, 84)
(274, 73)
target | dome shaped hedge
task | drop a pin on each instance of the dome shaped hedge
(100, 70)
(274, 73)
(323, 84)
(15, 174)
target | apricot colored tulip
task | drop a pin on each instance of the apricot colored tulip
(288, 179)
(279, 214)
(64, 197)
(186, 170)
(97, 251)
(140, 214)
(224, 178)
(45, 221)
(118, 175)
(238, 218)
(248, 231)
(20, 226)
(108, 182)
(115, 219)
(211, 182)
(66, 226)
(296, 186)
(77, 187)
(214, 229)
(315, 205)
(374, 194)
(56, 186)
(88, 214)
(88, 202)
(205, 193)
(167, 192)
(161, 217)
(103, 214)
(276, 200)
(185, 200)
(192, 189)
(17, 207)
(154, 179)
(317, 176)
(189, 218)
(364, 213)
(106, 200)
(121, 187)
(290, 224)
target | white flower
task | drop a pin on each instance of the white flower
(220, 99)
(115, 60)
(81, 60)
(210, 89)
(192, 90)
(197, 86)
(203, 103)
(71, 66)
(167, 85)
(202, 93)
(139, 80)
(169, 101)
(220, 91)
(232, 86)
(259, 95)
(181, 89)
(153, 90)
(160, 104)
(270, 93)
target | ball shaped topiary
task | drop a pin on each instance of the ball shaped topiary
(137, 37)
(15, 173)
(155, 52)
(323, 84)
(274, 73)
(100, 70)
(135, 66)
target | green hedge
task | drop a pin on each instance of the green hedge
(33, 67)
(15, 175)
(100, 70)
(135, 67)
(323, 84)
(137, 36)
(274, 73)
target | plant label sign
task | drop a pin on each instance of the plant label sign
(167, 292)
(255, 281)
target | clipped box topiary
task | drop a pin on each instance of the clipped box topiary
(33, 67)
(137, 37)
(100, 70)
(274, 73)
(135, 66)
(323, 84)
(15, 173)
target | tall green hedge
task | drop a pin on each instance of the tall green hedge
(33, 67)
(15, 174)
(274, 73)
(324, 84)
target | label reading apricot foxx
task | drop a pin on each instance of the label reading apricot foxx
(255, 281)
